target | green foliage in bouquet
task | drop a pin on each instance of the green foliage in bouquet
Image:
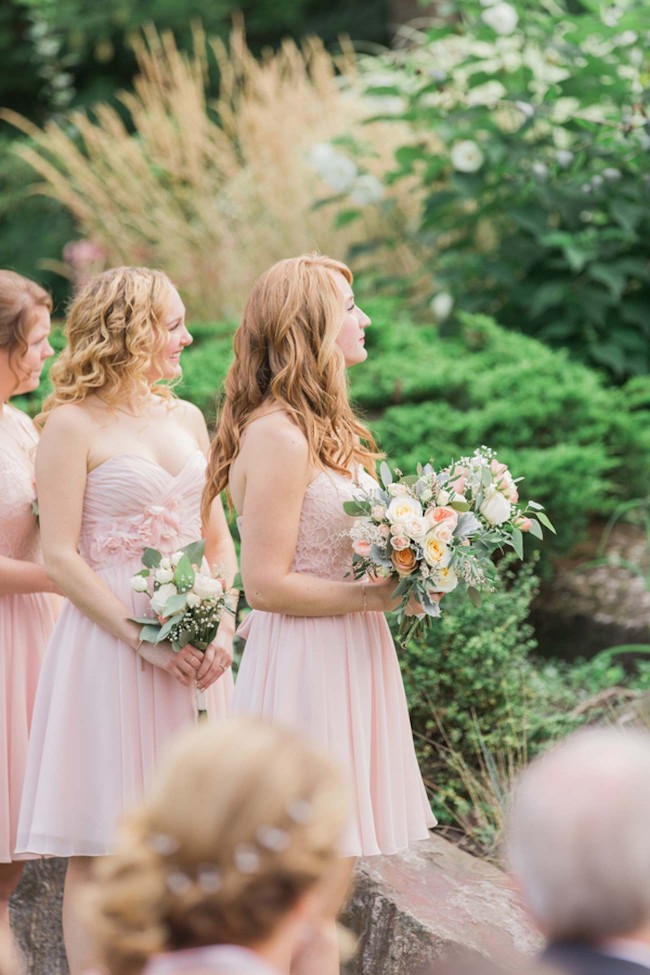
(535, 164)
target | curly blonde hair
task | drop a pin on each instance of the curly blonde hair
(286, 353)
(224, 790)
(114, 327)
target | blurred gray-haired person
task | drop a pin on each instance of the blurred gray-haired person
(578, 845)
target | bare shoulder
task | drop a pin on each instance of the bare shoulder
(69, 420)
(188, 414)
(275, 436)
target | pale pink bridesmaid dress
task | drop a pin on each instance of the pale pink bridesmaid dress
(337, 680)
(103, 716)
(26, 619)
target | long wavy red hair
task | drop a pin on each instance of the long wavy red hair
(286, 354)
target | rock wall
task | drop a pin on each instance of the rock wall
(406, 911)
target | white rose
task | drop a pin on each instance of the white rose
(443, 498)
(206, 587)
(403, 509)
(446, 580)
(495, 508)
(416, 529)
(466, 157)
(193, 600)
(161, 596)
(139, 584)
(441, 306)
(502, 18)
(164, 575)
(444, 532)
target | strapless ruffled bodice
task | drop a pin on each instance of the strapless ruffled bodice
(132, 503)
(323, 547)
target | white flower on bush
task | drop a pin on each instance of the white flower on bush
(164, 575)
(403, 509)
(495, 508)
(161, 596)
(441, 305)
(540, 170)
(564, 158)
(490, 94)
(611, 174)
(466, 157)
(501, 17)
(366, 189)
(525, 108)
(193, 600)
(139, 584)
(206, 587)
(333, 167)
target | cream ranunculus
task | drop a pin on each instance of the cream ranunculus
(164, 575)
(435, 552)
(161, 596)
(403, 509)
(446, 580)
(206, 587)
(495, 508)
(139, 584)
(444, 532)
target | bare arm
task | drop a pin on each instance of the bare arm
(17, 576)
(278, 471)
(61, 482)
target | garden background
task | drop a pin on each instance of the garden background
(485, 170)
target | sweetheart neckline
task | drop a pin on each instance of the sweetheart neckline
(148, 460)
(327, 473)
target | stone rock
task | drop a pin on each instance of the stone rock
(35, 912)
(599, 597)
(431, 902)
(406, 910)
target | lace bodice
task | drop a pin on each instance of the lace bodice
(19, 535)
(323, 547)
(132, 503)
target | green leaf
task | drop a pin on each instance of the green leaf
(195, 551)
(149, 632)
(238, 582)
(344, 217)
(475, 596)
(175, 603)
(518, 542)
(165, 629)
(184, 574)
(385, 473)
(144, 620)
(535, 506)
(459, 505)
(546, 521)
(151, 557)
(535, 529)
(356, 508)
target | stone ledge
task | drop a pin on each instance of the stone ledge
(432, 901)
(407, 910)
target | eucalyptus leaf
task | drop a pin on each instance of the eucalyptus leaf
(518, 542)
(385, 473)
(174, 604)
(149, 632)
(357, 508)
(546, 521)
(152, 558)
(535, 529)
(195, 551)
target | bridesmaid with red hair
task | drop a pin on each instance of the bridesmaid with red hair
(26, 616)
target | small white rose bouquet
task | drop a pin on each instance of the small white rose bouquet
(429, 531)
(187, 604)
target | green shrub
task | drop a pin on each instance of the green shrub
(537, 178)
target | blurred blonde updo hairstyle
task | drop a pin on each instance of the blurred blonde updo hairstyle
(220, 789)
(113, 328)
(286, 354)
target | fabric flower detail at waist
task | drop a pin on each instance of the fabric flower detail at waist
(122, 539)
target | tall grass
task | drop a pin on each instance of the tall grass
(213, 192)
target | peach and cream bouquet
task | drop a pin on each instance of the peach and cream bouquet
(186, 601)
(432, 530)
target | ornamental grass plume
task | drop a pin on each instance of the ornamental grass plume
(215, 191)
